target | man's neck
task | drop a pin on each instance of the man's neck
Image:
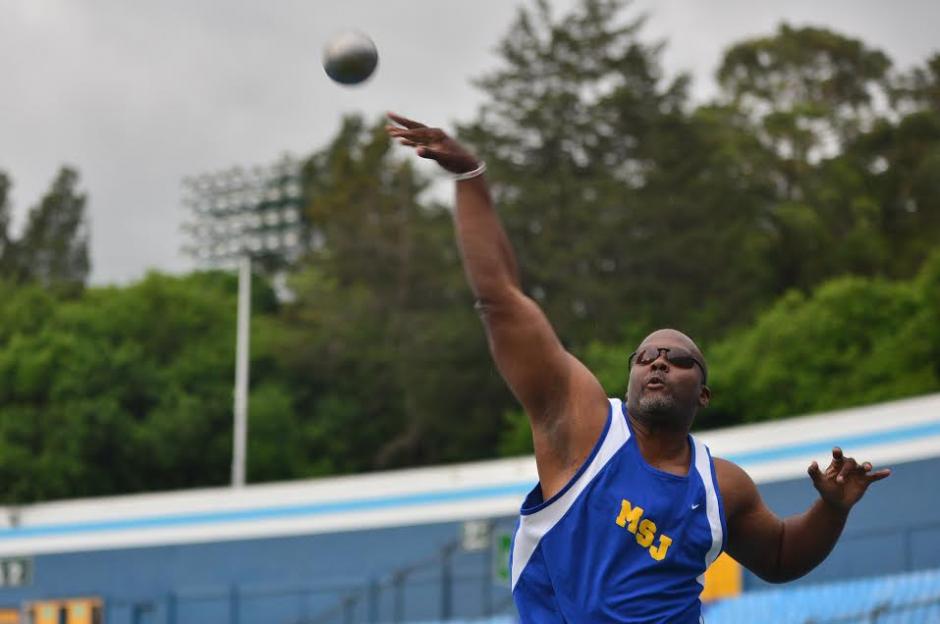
(663, 447)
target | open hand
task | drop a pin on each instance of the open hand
(845, 480)
(432, 143)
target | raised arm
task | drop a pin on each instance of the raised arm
(566, 404)
(782, 550)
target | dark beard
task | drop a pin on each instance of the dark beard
(658, 410)
(657, 405)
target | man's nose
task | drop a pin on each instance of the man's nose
(660, 363)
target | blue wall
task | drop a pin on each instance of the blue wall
(277, 580)
(896, 527)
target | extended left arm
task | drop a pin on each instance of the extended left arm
(782, 550)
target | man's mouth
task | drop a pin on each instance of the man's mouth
(655, 382)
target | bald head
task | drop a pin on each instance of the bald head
(665, 388)
(668, 336)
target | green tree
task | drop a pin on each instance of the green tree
(852, 341)
(53, 250)
(895, 166)
(919, 88)
(626, 209)
(805, 89)
(808, 94)
(390, 341)
(121, 389)
(6, 250)
(569, 129)
(788, 227)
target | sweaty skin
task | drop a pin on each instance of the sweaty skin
(567, 407)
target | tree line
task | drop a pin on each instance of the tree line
(790, 226)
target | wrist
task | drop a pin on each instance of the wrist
(835, 508)
(473, 173)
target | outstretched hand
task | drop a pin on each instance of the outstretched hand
(845, 481)
(432, 143)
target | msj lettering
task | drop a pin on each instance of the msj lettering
(631, 518)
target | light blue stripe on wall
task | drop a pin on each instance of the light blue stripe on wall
(891, 436)
(519, 489)
(268, 513)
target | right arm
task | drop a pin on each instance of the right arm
(780, 550)
(566, 405)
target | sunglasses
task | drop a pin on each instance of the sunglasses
(677, 356)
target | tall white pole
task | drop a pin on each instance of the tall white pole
(240, 433)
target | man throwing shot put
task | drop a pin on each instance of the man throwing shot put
(630, 509)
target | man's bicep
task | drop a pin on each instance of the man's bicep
(528, 353)
(754, 531)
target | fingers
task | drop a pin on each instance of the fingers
(431, 143)
(849, 465)
(422, 136)
(840, 465)
(404, 121)
(845, 467)
(814, 472)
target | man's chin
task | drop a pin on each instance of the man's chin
(657, 404)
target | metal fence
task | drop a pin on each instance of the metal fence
(448, 585)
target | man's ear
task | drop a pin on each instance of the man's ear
(704, 397)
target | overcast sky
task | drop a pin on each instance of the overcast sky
(137, 95)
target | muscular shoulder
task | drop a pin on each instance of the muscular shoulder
(737, 488)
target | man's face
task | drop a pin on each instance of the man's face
(661, 391)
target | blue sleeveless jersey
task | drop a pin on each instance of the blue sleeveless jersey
(622, 541)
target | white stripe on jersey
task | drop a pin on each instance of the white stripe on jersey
(704, 467)
(532, 527)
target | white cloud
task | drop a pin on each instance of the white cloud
(139, 95)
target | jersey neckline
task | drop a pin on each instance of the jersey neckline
(652, 469)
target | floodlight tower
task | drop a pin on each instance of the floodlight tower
(238, 216)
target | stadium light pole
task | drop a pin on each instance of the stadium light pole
(238, 217)
(240, 433)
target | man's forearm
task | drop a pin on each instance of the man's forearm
(487, 255)
(807, 539)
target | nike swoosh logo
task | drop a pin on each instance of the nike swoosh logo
(696, 506)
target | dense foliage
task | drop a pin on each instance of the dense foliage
(790, 226)
(850, 341)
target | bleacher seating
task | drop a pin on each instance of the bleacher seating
(502, 619)
(911, 598)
